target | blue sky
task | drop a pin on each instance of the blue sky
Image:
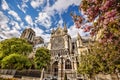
(41, 15)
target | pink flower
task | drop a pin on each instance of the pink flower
(106, 5)
(87, 28)
(110, 14)
(77, 24)
(106, 21)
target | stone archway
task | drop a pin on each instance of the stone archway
(55, 68)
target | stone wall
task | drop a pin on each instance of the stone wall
(106, 77)
(21, 74)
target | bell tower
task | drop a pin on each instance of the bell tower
(28, 34)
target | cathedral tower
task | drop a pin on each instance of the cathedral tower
(28, 34)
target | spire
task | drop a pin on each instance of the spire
(53, 31)
(79, 37)
(65, 28)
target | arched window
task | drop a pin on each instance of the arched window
(68, 64)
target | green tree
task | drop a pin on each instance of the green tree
(42, 58)
(15, 61)
(99, 60)
(14, 45)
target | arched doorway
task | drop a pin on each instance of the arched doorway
(55, 69)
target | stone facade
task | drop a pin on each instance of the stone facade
(29, 35)
(38, 40)
(65, 53)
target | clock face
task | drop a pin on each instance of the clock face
(58, 43)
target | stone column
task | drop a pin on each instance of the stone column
(27, 34)
(61, 69)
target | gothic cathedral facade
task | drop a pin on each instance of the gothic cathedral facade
(64, 54)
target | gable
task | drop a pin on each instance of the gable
(59, 31)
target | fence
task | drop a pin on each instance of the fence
(21, 73)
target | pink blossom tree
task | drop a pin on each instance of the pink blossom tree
(105, 15)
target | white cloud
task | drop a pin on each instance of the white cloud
(23, 6)
(5, 31)
(73, 31)
(29, 20)
(25, 1)
(22, 25)
(4, 5)
(9, 33)
(4, 27)
(36, 3)
(60, 22)
(3, 22)
(14, 14)
(40, 32)
(12, 33)
(60, 6)
(15, 25)
(44, 19)
(2, 35)
(3, 19)
(46, 37)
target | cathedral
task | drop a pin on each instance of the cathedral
(65, 53)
